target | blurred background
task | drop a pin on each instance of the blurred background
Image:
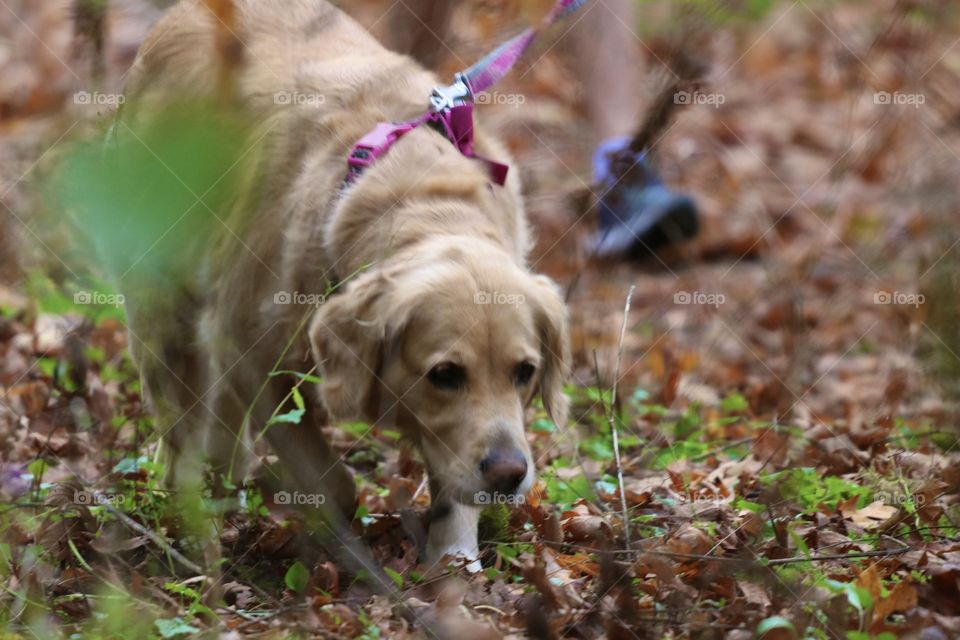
(820, 141)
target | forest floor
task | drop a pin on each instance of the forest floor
(784, 406)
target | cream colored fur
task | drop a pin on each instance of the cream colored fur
(437, 255)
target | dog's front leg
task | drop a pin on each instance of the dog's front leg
(453, 532)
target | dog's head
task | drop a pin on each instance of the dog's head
(449, 347)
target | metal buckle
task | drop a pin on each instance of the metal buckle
(458, 93)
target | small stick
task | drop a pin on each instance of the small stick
(880, 553)
(883, 553)
(611, 417)
(416, 494)
(730, 445)
(153, 537)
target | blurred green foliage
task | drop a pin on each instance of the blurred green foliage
(149, 195)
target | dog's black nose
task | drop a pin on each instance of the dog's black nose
(504, 470)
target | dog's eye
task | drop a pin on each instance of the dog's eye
(447, 375)
(524, 373)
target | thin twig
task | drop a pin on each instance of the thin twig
(882, 553)
(730, 445)
(420, 489)
(611, 417)
(154, 538)
(701, 556)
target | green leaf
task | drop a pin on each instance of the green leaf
(775, 622)
(682, 450)
(395, 576)
(741, 503)
(174, 627)
(136, 199)
(566, 492)
(297, 577)
(396, 436)
(129, 465)
(598, 447)
(542, 425)
(858, 597)
(359, 430)
(306, 377)
(734, 403)
(298, 400)
(37, 468)
(811, 489)
(291, 417)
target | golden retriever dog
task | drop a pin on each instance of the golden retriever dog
(439, 329)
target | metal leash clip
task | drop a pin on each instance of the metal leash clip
(458, 93)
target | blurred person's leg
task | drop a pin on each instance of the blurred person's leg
(610, 66)
(637, 213)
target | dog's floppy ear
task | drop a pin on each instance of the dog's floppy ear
(551, 319)
(347, 337)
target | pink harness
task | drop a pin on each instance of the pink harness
(456, 122)
(451, 108)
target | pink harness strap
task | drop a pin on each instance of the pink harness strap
(374, 144)
(457, 123)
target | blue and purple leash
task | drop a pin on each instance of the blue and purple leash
(498, 63)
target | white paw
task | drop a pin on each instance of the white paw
(461, 555)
